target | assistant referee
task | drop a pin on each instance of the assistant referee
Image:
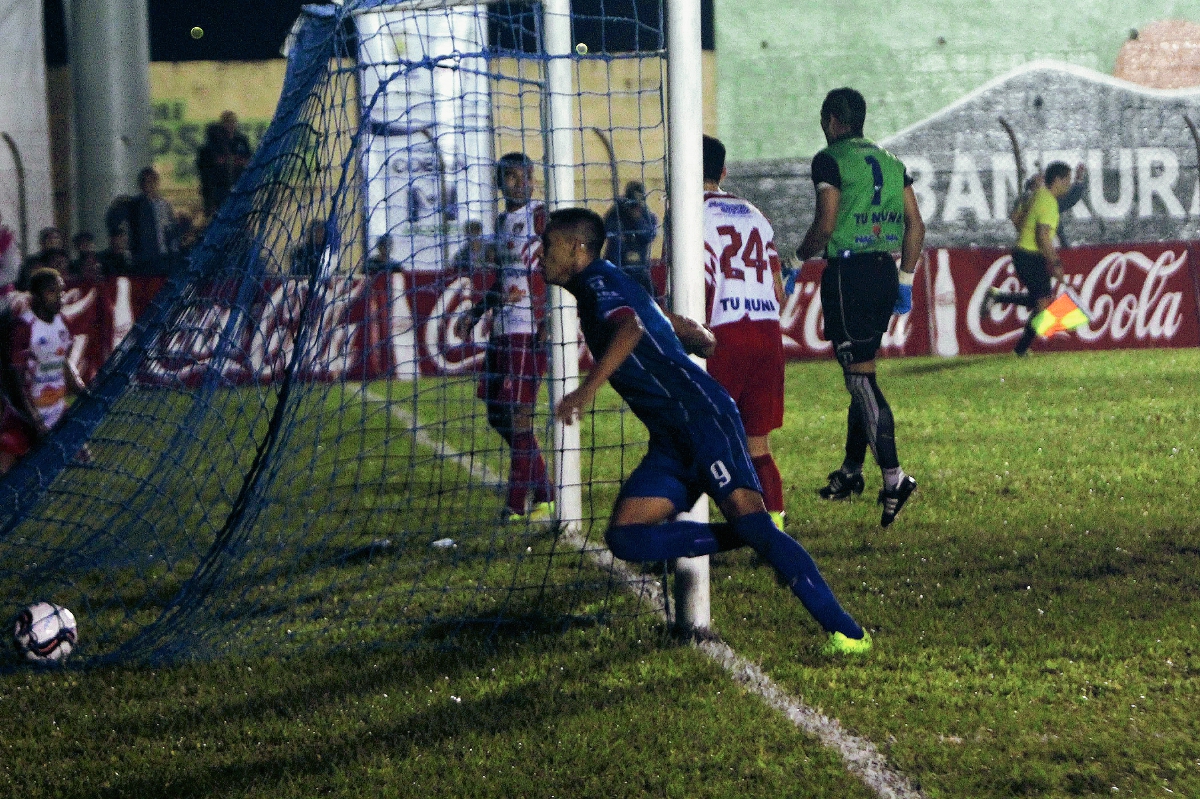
(866, 209)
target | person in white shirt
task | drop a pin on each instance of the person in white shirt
(37, 370)
(744, 291)
(516, 355)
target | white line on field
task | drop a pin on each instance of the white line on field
(860, 756)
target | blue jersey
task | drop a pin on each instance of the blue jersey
(661, 384)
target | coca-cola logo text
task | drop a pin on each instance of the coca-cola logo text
(1124, 293)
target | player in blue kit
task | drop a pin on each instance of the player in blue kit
(697, 443)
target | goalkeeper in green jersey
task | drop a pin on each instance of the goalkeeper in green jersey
(866, 210)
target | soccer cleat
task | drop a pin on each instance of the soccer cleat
(842, 485)
(841, 644)
(893, 500)
(541, 512)
(778, 517)
(989, 299)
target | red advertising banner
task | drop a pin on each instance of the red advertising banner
(350, 330)
(401, 325)
(804, 323)
(100, 314)
(388, 325)
(1137, 295)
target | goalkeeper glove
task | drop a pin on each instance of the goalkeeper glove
(789, 280)
(791, 273)
(904, 301)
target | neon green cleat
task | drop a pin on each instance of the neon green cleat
(540, 513)
(778, 517)
(840, 644)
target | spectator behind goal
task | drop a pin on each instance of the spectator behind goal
(153, 228)
(49, 240)
(631, 229)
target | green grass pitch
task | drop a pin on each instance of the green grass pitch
(1034, 610)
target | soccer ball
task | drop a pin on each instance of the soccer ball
(45, 633)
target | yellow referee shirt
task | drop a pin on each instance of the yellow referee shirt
(1043, 210)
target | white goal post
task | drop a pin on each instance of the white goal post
(685, 125)
(685, 192)
(564, 322)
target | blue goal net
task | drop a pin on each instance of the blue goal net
(312, 435)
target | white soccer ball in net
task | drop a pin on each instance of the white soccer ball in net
(45, 633)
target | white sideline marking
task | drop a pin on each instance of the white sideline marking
(479, 471)
(860, 756)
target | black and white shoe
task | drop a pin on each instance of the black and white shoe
(842, 486)
(893, 499)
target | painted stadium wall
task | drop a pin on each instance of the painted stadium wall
(938, 77)
(187, 96)
(777, 59)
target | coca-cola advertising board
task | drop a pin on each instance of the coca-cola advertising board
(1137, 295)
(398, 325)
(401, 324)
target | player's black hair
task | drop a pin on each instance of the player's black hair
(1057, 170)
(581, 222)
(634, 189)
(512, 161)
(714, 159)
(847, 106)
(41, 279)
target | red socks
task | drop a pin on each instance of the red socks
(528, 471)
(772, 483)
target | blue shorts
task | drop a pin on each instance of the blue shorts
(688, 463)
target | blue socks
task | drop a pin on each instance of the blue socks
(679, 539)
(798, 570)
(682, 539)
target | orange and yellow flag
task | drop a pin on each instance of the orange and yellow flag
(1062, 314)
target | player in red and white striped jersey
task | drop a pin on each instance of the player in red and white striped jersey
(744, 291)
(516, 358)
(37, 370)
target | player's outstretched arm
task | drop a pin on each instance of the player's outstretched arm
(695, 337)
(914, 232)
(910, 251)
(73, 378)
(492, 298)
(627, 332)
(823, 224)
